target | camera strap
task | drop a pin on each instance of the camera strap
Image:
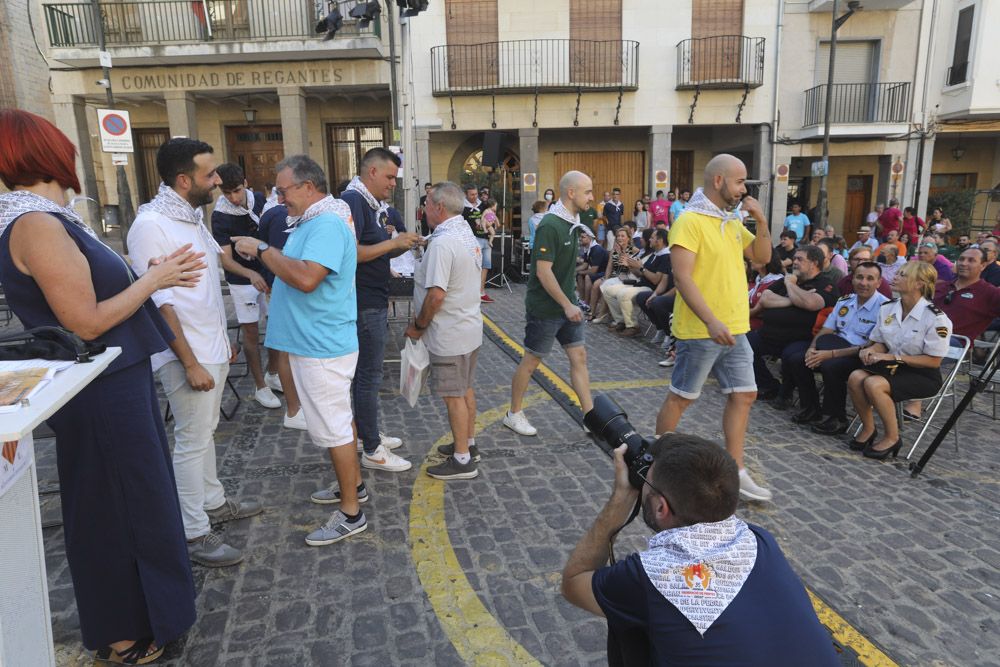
(631, 517)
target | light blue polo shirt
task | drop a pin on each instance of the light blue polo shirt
(676, 209)
(321, 324)
(798, 224)
(853, 323)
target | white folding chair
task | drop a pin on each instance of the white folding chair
(955, 354)
(993, 386)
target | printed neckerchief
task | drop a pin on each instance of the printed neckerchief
(457, 227)
(700, 569)
(327, 204)
(18, 202)
(375, 204)
(171, 205)
(699, 203)
(559, 210)
(223, 205)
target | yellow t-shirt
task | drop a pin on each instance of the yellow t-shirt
(718, 273)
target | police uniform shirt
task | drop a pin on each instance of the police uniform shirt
(852, 322)
(925, 330)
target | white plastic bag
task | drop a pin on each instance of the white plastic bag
(415, 366)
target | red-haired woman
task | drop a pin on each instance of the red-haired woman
(122, 523)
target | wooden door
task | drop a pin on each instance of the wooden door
(147, 143)
(595, 49)
(257, 149)
(682, 171)
(472, 28)
(857, 203)
(720, 58)
(615, 169)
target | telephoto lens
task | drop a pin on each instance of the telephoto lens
(608, 421)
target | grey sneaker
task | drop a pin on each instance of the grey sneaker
(336, 529)
(231, 510)
(449, 449)
(331, 495)
(452, 469)
(209, 550)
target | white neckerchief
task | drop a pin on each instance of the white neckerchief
(171, 205)
(18, 202)
(700, 203)
(559, 209)
(457, 227)
(327, 204)
(358, 186)
(223, 205)
(700, 569)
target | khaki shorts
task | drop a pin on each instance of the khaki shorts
(452, 377)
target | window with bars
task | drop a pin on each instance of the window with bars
(348, 144)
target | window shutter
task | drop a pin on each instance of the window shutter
(854, 62)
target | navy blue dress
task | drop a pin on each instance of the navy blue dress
(122, 522)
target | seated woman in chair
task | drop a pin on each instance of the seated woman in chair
(903, 360)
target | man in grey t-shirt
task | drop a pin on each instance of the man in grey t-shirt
(446, 298)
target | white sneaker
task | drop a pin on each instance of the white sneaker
(518, 423)
(383, 459)
(266, 397)
(274, 382)
(298, 421)
(749, 489)
(668, 362)
(388, 441)
(658, 337)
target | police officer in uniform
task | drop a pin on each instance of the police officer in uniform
(834, 352)
(903, 362)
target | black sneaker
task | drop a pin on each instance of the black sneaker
(449, 449)
(807, 415)
(831, 426)
(452, 469)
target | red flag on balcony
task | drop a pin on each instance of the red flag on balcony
(198, 7)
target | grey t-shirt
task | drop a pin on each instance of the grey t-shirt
(458, 327)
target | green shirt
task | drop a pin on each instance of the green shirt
(554, 242)
(588, 217)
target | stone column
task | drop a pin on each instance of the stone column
(528, 148)
(658, 154)
(182, 114)
(70, 112)
(294, 129)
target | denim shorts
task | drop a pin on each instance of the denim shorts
(484, 245)
(539, 333)
(696, 358)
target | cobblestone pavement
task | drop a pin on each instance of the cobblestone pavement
(913, 565)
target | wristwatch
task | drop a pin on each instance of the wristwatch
(898, 358)
(261, 247)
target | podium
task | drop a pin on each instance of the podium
(25, 622)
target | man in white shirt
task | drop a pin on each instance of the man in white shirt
(193, 371)
(865, 239)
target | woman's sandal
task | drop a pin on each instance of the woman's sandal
(142, 652)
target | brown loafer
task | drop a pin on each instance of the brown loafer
(630, 331)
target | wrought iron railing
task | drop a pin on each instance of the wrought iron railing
(957, 73)
(725, 61)
(162, 22)
(534, 64)
(859, 103)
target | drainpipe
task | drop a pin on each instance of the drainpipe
(924, 114)
(774, 111)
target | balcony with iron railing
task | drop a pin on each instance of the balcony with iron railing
(525, 66)
(859, 103)
(137, 28)
(721, 62)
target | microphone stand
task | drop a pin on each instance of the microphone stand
(500, 280)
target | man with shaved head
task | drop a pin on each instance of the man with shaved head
(550, 306)
(708, 243)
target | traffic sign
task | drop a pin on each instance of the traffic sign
(530, 180)
(897, 170)
(116, 131)
(660, 177)
(781, 172)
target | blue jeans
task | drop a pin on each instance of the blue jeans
(373, 331)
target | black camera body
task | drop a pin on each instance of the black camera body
(608, 421)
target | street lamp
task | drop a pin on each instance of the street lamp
(821, 203)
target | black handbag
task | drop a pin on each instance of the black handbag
(51, 343)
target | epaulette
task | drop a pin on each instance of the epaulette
(888, 301)
(845, 297)
(934, 309)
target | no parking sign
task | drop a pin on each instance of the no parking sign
(116, 131)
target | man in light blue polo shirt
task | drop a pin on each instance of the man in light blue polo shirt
(679, 205)
(314, 319)
(798, 222)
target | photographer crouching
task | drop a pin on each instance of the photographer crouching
(711, 589)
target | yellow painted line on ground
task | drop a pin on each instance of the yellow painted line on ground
(841, 630)
(479, 638)
(549, 374)
(844, 632)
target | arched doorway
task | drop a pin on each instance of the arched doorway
(504, 183)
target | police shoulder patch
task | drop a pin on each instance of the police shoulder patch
(942, 332)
